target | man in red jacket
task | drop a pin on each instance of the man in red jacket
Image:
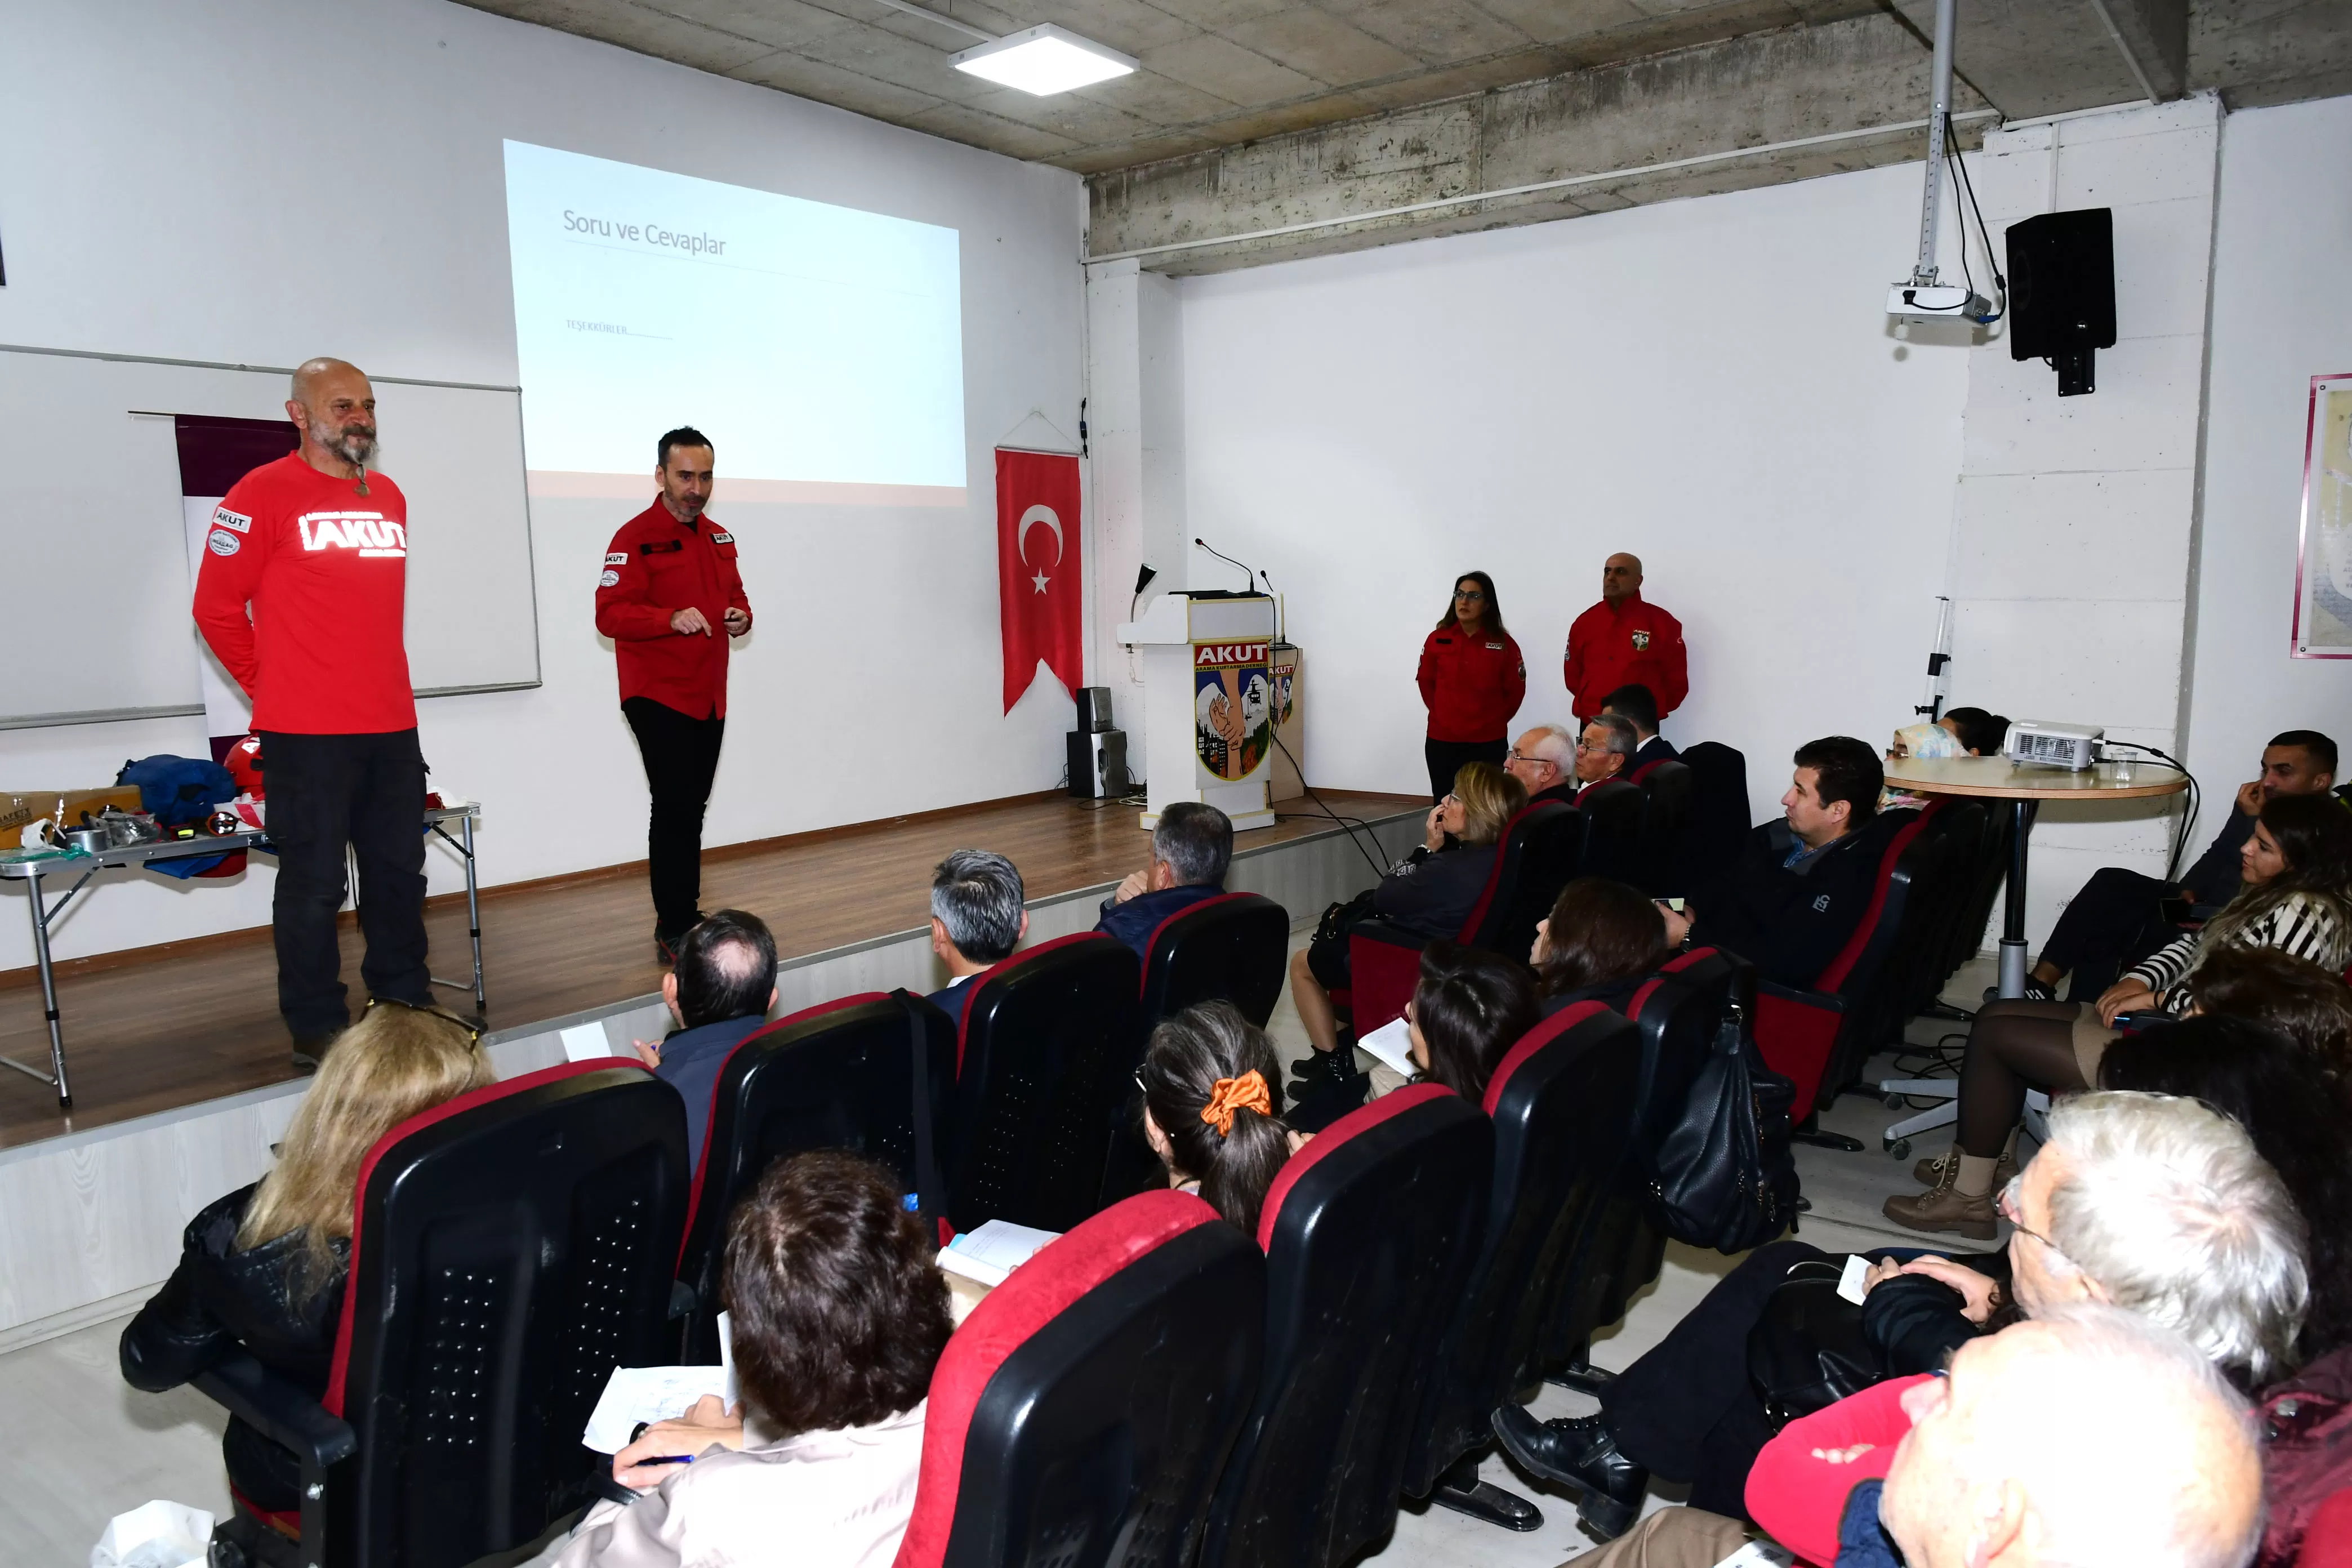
(301, 594)
(670, 599)
(1623, 640)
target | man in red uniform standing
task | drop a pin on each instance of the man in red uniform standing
(1621, 640)
(670, 599)
(302, 596)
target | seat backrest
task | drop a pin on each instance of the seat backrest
(1560, 1101)
(1874, 935)
(1538, 856)
(837, 1076)
(1081, 1413)
(511, 1248)
(1368, 1233)
(1233, 948)
(1612, 813)
(1048, 1056)
(1719, 821)
(1668, 786)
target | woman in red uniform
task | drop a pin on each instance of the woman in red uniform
(1472, 679)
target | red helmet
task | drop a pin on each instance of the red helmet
(244, 764)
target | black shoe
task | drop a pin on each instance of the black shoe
(1580, 1454)
(666, 943)
(310, 1050)
(1312, 1068)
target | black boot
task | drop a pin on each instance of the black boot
(1580, 1454)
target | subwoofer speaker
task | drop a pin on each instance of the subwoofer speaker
(2062, 293)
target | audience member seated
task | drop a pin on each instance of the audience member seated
(2119, 919)
(2297, 870)
(1430, 893)
(1605, 752)
(1212, 1110)
(838, 1317)
(1544, 762)
(1804, 882)
(2161, 1205)
(2296, 1112)
(979, 915)
(1638, 706)
(2094, 1438)
(2306, 1002)
(1961, 733)
(1468, 1009)
(1601, 939)
(263, 1268)
(1189, 851)
(718, 991)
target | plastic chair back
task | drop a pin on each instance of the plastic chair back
(1235, 948)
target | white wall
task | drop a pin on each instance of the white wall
(2286, 228)
(264, 180)
(1709, 383)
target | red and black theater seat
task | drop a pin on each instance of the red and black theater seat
(1561, 1102)
(1667, 786)
(837, 1076)
(1719, 826)
(1044, 1083)
(1540, 849)
(509, 1249)
(1613, 810)
(1081, 1413)
(1231, 949)
(1368, 1233)
(1675, 1013)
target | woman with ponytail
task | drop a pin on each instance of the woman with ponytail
(1212, 1109)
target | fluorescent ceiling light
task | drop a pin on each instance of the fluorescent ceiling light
(1044, 60)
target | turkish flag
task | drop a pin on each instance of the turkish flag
(1038, 582)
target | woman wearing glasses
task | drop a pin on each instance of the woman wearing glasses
(263, 1268)
(1472, 679)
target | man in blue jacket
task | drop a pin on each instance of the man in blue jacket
(719, 992)
(979, 915)
(1189, 851)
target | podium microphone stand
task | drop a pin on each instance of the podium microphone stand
(1214, 697)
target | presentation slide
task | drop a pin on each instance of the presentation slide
(820, 348)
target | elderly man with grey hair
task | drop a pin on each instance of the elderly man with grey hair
(1544, 760)
(978, 917)
(2155, 1204)
(1607, 750)
(1192, 845)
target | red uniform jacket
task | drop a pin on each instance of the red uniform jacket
(325, 570)
(1797, 1495)
(1634, 643)
(654, 567)
(1471, 684)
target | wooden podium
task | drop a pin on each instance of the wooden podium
(1212, 703)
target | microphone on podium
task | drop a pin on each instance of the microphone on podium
(1249, 574)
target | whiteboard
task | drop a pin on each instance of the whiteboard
(97, 627)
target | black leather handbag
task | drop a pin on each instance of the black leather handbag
(1806, 1349)
(1724, 1175)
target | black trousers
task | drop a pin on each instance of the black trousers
(1445, 759)
(2113, 922)
(681, 757)
(326, 792)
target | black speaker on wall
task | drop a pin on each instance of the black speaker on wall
(2062, 293)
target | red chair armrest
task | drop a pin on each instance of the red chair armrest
(1796, 1031)
(1383, 966)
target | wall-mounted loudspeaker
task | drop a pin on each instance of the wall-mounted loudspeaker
(2062, 293)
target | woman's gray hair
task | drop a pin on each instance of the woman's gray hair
(977, 895)
(2165, 1203)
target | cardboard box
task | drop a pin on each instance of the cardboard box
(16, 810)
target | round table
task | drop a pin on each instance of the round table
(2025, 787)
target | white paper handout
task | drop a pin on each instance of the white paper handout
(635, 1394)
(1392, 1044)
(1853, 1284)
(991, 1251)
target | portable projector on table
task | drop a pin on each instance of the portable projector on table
(2074, 747)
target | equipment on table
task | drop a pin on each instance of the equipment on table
(2038, 742)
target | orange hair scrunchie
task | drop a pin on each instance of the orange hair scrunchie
(1230, 1094)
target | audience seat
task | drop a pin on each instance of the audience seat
(1719, 828)
(837, 1076)
(1613, 838)
(512, 1247)
(1368, 1233)
(1667, 785)
(1082, 1413)
(1235, 948)
(1541, 846)
(1044, 1083)
(1561, 1103)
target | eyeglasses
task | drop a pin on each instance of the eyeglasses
(473, 1030)
(1451, 800)
(1517, 755)
(2008, 1204)
(1472, 593)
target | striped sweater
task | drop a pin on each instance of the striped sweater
(2298, 924)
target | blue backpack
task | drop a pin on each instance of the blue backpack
(176, 791)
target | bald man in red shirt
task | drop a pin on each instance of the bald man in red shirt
(1624, 640)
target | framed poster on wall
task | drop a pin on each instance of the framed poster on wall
(2323, 572)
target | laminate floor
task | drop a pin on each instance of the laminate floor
(158, 1028)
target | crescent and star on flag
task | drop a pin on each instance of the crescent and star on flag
(1036, 514)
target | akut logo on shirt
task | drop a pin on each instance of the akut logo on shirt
(369, 532)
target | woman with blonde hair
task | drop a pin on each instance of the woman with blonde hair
(263, 1268)
(1430, 893)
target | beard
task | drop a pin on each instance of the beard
(354, 444)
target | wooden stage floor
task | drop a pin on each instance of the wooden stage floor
(157, 1028)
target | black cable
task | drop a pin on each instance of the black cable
(2000, 283)
(2196, 803)
(1378, 869)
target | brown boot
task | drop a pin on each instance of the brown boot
(1941, 1208)
(1928, 1172)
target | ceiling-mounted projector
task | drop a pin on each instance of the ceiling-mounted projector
(1917, 301)
(1924, 296)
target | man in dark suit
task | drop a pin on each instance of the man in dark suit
(977, 918)
(719, 991)
(1637, 705)
(1544, 761)
(1190, 848)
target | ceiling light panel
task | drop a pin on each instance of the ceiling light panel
(1044, 60)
